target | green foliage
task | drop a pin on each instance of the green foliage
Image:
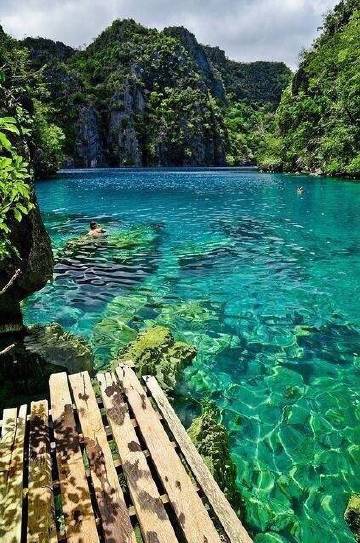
(254, 82)
(14, 189)
(48, 140)
(25, 133)
(247, 126)
(318, 119)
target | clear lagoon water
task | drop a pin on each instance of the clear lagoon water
(265, 283)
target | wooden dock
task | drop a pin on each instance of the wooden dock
(110, 462)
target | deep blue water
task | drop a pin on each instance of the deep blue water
(265, 283)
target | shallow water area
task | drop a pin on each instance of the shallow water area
(265, 283)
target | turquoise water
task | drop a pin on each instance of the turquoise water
(265, 283)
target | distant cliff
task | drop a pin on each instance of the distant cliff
(138, 96)
(317, 125)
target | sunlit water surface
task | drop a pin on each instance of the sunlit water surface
(273, 284)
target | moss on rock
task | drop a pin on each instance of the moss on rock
(211, 439)
(352, 515)
(59, 348)
(37, 353)
(155, 352)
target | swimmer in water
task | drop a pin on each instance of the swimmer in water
(300, 190)
(95, 230)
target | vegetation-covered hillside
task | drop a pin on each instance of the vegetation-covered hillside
(30, 145)
(317, 125)
(137, 96)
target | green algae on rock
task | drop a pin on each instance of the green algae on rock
(118, 246)
(352, 515)
(59, 348)
(128, 238)
(155, 352)
(109, 336)
(212, 441)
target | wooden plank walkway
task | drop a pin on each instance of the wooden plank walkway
(109, 462)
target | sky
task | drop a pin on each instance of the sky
(247, 30)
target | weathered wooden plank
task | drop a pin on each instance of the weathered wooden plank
(6, 447)
(80, 523)
(226, 515)
(150, 510)
(113, 510)
(41, 526)
(189, 509)
(11, 474)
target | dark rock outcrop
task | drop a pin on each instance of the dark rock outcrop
(32, 256)
(212, 441)
(123, 140)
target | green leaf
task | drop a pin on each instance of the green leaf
(17, 215)
(4, 142)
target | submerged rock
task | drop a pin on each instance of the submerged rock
(35, 354)
(113, 332)
(212, 441)
(109, 336)
(198, 255)
(352, 515)
(191, 313)
(155, 352)
(59, 348)
(115, 246)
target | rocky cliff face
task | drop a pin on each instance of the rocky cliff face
(123, 139)
(207, 70)
(88, 143)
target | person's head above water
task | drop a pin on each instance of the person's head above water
(95, 230)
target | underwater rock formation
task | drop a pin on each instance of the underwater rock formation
(155, 352)
(37, 353)
(193, 256)
(113, 332)
(59, 348)
(116, 246)
(212, 441)
(118, 260)
(352, 515)
(191, 312)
